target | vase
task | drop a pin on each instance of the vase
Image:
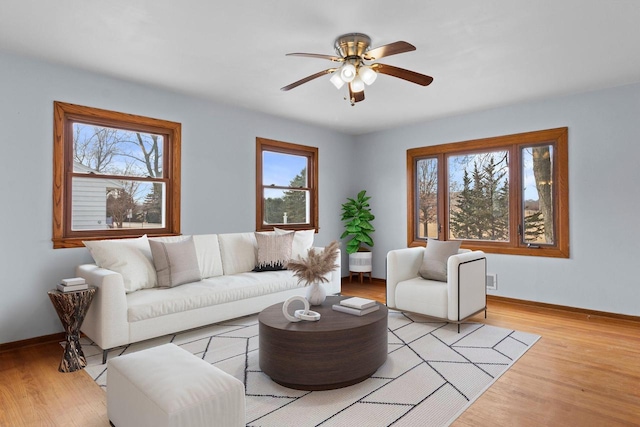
(316, 294)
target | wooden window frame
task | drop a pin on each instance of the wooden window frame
(311, 153)
(512, 143)
(64, 115)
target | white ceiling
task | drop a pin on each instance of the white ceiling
(481, 53)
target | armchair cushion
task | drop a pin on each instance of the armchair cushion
(436, 255)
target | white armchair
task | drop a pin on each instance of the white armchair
(460, 297)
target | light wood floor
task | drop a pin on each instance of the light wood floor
(584, 371)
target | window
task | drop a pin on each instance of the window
(507, 194)
(286, 185)
(114, 175)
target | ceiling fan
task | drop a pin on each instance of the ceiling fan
(357, 70)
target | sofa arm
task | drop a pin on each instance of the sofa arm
(402, 264)
(106, 320)
(466, 281)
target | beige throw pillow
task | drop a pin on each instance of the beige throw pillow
(436, 255)
(274, 251)
(176, 263)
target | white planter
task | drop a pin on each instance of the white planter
(360, 262)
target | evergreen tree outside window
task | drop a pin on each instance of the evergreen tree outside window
(500, 195)
(286, 185)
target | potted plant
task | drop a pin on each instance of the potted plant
(357, 218)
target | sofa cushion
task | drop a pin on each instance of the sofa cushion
(152, 303)
(302, 241)
(129, 257)
(176, 263)
(274, 251)
(436, 254)
(238, 252)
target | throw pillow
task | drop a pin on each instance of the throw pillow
(176, 263)
(129, 257)
(436, 255)
(302, 241)
(274, 251)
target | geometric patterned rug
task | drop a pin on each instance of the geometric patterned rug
(432, 373)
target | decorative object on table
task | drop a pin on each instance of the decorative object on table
(298, 315)
(71, 308)
(358, 303)
(357, 217)
(72, 284)
(355, 311)
(313, 271)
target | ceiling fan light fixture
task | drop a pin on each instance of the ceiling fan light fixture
(337, 80)
(347, 72)
(357, 85)
(367, 74)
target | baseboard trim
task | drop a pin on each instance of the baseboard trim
(566, 308)
(32, 341)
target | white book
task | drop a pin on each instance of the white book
(63, 288)
(73, 281)
(357, 302)
(354, 311)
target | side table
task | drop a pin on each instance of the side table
(71, 308)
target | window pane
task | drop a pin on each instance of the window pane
(100, 204)
(104, 150)
(427, 194)
(286, 207)
(284, 170)
(537, 187)
(479, 196)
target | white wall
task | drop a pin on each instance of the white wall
(604, 197)
(218, 175)
(218, 184)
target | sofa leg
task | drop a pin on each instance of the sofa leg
(104, 356)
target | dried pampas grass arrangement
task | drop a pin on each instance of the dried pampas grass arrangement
(316, 265)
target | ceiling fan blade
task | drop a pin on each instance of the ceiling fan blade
(355, 96)
(317, 55)
(308, 79)
(401, 73)
(388, 50)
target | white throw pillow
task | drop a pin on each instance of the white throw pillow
(302, 241)
(129, 257)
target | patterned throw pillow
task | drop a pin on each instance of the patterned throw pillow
(176, 263)
(436, 255)
(274, 251)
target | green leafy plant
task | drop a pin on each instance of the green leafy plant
(357, 218)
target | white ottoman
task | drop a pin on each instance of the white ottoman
(168, 386)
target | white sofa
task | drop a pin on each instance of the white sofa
(228, 289)
(460, 297)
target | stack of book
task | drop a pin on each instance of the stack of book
(356, 306)
(73, 284)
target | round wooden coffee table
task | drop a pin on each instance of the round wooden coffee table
(337, 351)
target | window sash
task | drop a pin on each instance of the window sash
(513, 144)
(65, 115)
(309, 189)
